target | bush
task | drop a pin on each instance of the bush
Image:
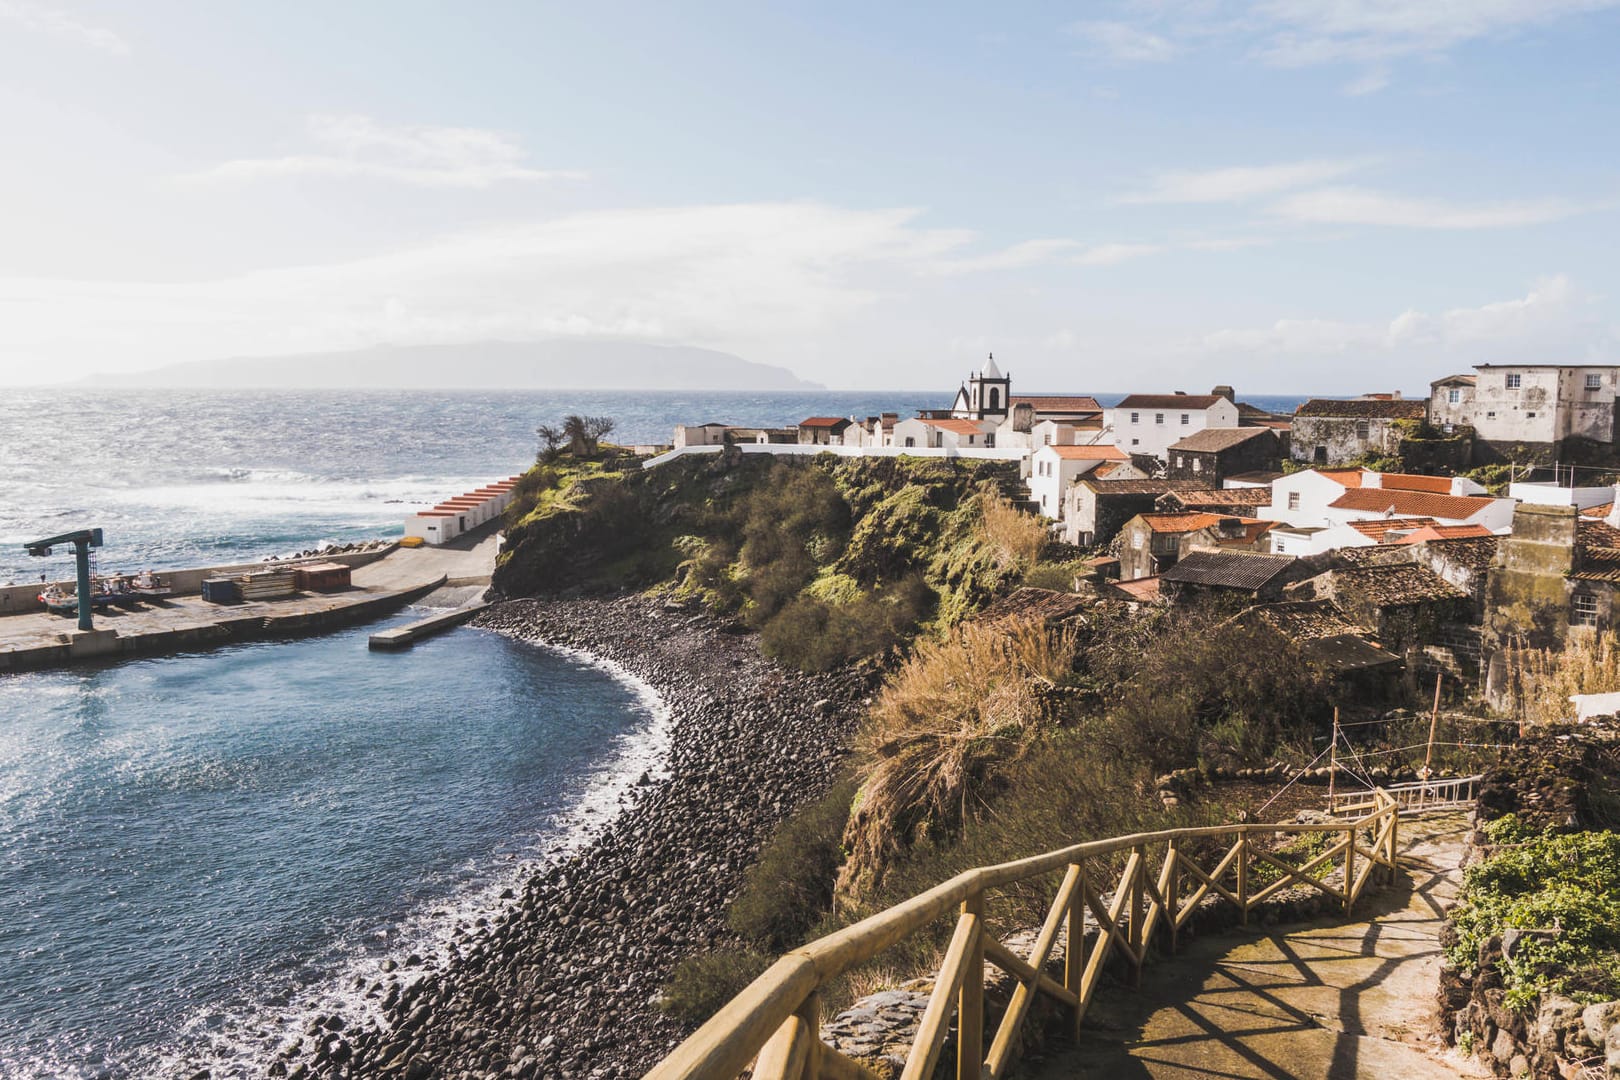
(1568, 885)
(811, 634)
(701, 984)
(790, 888)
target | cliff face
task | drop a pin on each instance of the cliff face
(832, 559)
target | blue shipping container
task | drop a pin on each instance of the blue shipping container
(221, 590)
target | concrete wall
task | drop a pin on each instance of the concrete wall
(16, 599)
(1557, 495)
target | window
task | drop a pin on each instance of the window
(1514, 381)
(1180, 460)
(1046, 440)
(1363, 429)
(1594, 382)
(1158, 418)
(1529, 416)
(990, 439)
(1583, 609)
(1185, 419)
(1293, 500)
(1453, 396)
(1491, 415)
(995, 399)
(1198, 464)
(1136, 418)
(910, 441)
(1136, 442)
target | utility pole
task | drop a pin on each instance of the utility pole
(1434, 721)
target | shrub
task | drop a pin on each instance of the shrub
(1567, 885)
(1540, 681)
(942, 724)
(790, 888)
(812, 634)
(702, 983)
(1016, 536)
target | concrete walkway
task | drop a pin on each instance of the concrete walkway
(1316, 1000)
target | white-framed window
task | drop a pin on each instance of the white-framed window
(1513, 382)
(1453, 396)
(1136, 442)
(1491, 415)
(1136, 418)
(1583, 609)
(1185, 419)
(1594, 382)
(1158, 418)
(1293, 500)
(1363, 429)
(1047, 439)
(1198, 464)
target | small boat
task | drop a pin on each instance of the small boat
(149, 586)
(59, 601)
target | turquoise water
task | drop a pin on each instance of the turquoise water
(196, 851)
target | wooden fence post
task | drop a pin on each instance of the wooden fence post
(1138, 916)
(1172, 866)
(970, 1001)
(810, 1013)
(1074, 957)
(1349, 868)
(1243, 872)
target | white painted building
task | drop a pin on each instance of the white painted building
(1529, 403)
(1054, 468)
(462, 514)
(1149, 423)
(951, 434)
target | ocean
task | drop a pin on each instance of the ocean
(199, 852)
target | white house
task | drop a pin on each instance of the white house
(953, 434)
(1053, 468)
(1306, 498)
(1149, 423)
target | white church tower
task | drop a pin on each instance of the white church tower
(985, 396)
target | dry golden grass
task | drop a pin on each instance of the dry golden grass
(1016, 536)
(957, 709)
(1540, 681)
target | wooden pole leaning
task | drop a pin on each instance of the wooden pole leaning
(1138, 915)
(1074, 953)
(1243, 875)
(1172, 875)
(1349, 868)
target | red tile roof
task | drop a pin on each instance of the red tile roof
(823, 422)
(1445, 532)
(1089, 453)
(1410, 503)
(1180, 523)
(961, 427)
(1169, 401)
(1377, 529)
(1598, 511)
(1394, 481)
(1349, 476)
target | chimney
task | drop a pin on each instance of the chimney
(1226, 392)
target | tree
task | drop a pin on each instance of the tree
(551, 437)
(584, 433)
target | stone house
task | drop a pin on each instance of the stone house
(1528, 411)
(1095, 508)
(1151, 544)
(1554, 575)
(1214, 454)
(1331, 432)
(1147, 424)
(1244, 575)
(824, 430)
(1406, 605)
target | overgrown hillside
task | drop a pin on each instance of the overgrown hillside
(830, 559)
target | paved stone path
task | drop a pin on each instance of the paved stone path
(1315, 1000)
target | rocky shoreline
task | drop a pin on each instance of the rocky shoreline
(564, 982)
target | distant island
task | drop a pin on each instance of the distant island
(561, 364)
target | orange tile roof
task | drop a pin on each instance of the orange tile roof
(1598, 511)
(1056, 402)
(1437, 485)
(1349, 476)
(1445, 532)
(1180, 523)
(1410, 503)
(823, 421)
(960, 427)
(1107, 468)
(1146, 588)
(1377, 528)
(1089, 453)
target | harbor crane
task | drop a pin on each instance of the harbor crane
(82, 540)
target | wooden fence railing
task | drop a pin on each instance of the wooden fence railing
(1450, 793)
(775, 1023)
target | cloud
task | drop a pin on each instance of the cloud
(358, 146)
(1358, 206)
(1305, 33)
(1240, 183)
(729, 275)
(1043, 252)
(48, 18)
(1555, 321)
(1124, 43)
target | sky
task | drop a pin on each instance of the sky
(1289, 196)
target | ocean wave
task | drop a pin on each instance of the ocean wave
(239, 1043)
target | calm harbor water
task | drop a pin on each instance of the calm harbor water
(199, 851)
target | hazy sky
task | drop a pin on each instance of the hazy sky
(1286, 195)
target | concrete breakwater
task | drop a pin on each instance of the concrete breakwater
(563, 982)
